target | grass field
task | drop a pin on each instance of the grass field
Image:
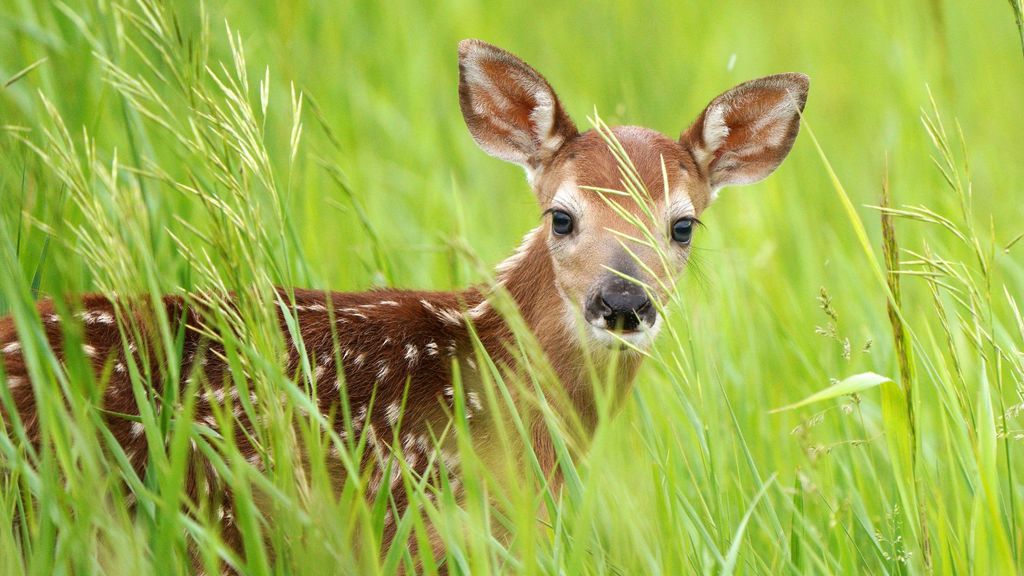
(153, 147)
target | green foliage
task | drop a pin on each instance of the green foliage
(148, 148)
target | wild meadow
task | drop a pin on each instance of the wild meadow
(839, 388)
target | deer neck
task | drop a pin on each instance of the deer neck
(529, 277)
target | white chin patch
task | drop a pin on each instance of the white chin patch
(641, 338)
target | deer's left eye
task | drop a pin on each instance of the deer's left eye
(682, 230)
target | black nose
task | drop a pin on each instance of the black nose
(622, 304)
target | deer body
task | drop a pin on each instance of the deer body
(582, 282)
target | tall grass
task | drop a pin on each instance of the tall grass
(149, 148)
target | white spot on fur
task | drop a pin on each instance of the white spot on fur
(12, 347)
(120, 368)
(423, 443)
(431, 348)
(359, 418)
(137, 429)
(319, 372)
(353, 312)
(411, 353)
(388, 303)
(89, 350)
(359, 359)
(219, 395)
(14, 382)
(478, 311)
(408, 441)
(383, 371)
(391, 413)
(396, 474)
(474, 401)
(450, 459)
(449, 316)
(96, 317)
(449, 391)
(53, 318)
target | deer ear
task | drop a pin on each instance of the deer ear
(510, 109)
(744, 134)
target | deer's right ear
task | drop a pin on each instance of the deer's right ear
(510, 109)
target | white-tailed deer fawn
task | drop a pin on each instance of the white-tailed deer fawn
(579, 282)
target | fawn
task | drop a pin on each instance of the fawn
(579, 283)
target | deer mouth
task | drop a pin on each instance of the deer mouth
(639, 336)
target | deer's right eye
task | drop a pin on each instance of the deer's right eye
(561, 223)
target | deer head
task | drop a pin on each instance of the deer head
(607, 278)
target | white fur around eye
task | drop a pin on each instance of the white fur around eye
(681, 206)
(567, 198)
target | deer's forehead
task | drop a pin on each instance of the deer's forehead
(587, 162)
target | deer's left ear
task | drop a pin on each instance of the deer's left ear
(744, 134)
(510, 109)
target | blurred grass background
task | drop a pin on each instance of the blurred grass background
(387, 188)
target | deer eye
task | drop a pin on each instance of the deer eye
(561, 223)
(682, 230)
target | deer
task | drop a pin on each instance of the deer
(578, 285)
